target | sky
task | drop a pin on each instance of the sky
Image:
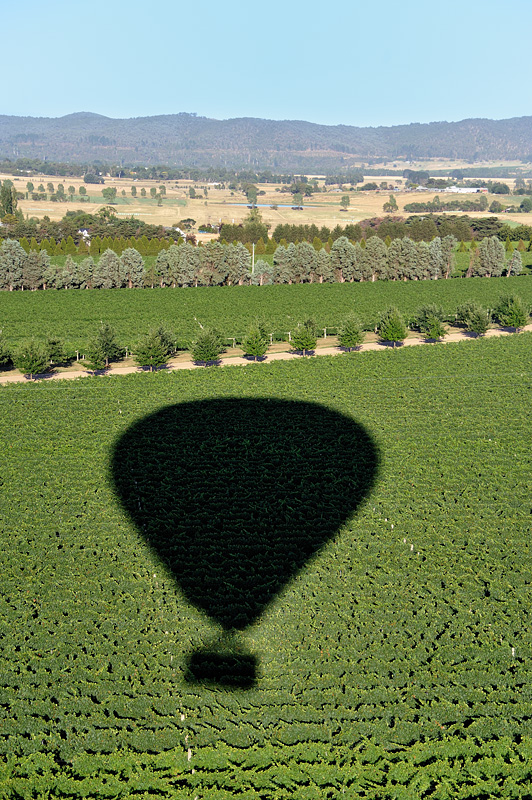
(347, 63)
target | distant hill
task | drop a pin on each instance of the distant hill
(189, 140)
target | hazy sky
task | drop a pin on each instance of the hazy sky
(347, 62)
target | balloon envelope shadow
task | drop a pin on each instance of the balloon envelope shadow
(235, 496)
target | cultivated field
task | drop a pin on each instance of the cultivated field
(386, 656)
(224, 205)
(74, 315)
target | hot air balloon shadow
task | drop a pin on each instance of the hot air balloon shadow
(235, 496)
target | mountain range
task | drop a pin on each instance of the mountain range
(193, 141)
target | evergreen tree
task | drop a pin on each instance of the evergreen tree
(167, 338)
(213, 267)
(237, 261)
(392, 327)
(343, 259)
(304, 338)
(425, 314)
(350, 334)
(255, 344)
(514, 265)
(56, 350)
(423, 266)
(324, 272)
(189, 265)
(473, 317)
(34, 269)
(5, 352)
(281, 265)
(402, 259)
(305, 263)
(70, 247)
(108, 273)
(263, 275)
(437, 261)
(491, 256)
(8, 199)
(31, 358)
(12, 264)
(373, 260)
(69, 273)
(96, 359)
(207, 347)
(104, 347)
(448, 246)
(510, 311)
(434, 329)
(86, 273)
(152, 350)
(132, 268)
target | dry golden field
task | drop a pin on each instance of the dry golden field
(223, 205)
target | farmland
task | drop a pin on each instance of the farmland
(214, 203)
(393, 661)
(74, 315)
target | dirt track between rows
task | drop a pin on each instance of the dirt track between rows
(14, 376)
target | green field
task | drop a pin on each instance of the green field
(74, 315)
(395, 663)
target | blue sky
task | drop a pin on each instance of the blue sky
(368, 63)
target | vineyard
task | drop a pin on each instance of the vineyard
(322, 589)
(74, 316)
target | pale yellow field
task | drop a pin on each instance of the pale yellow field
(223, 205)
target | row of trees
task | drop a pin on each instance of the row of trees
(156, 347)
(216, 264)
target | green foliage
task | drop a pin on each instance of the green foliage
(255, 343)
(391, 327)
(350, 334)
(74, 316)
(103, 348)
(56, 350)
(474, 317)
(5, 352)
(32, 358)
(152, 350)
(426, 313)
(429, 321)
(304, 338)
(511, 312)
(207, 347)
(429, 581)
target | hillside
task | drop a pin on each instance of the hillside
(189, 140)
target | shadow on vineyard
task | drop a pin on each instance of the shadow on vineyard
(235, 496)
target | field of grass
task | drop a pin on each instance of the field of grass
(224, 205)
(74, 315)
(394, 663)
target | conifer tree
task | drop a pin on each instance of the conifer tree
(255, 344)
(392, 327)
(350, 334)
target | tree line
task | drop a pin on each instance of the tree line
(217, 264)
(156, 347)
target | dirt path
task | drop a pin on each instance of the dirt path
(184, 362)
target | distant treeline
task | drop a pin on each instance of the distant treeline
(217, 264)
(34, 166)
(82, 233)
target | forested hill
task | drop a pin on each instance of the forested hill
(189, 140)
